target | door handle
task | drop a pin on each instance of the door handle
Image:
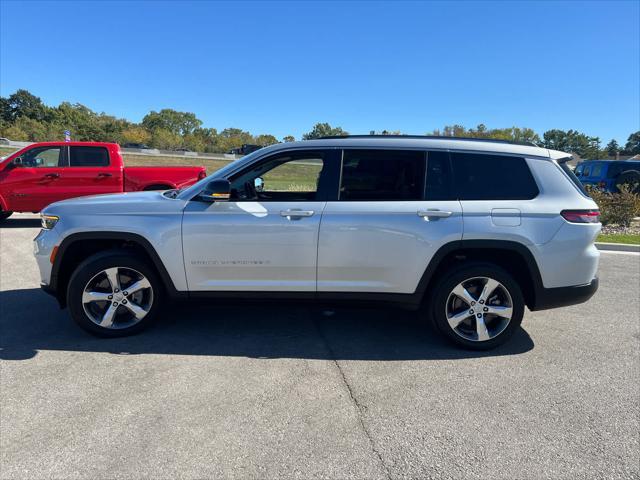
(434, 213)
(296, 213)
(103, 174)
(52, 175)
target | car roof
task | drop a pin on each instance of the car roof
(415, 142)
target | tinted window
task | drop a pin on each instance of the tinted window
(438, 177)
(596, 170)
(492, 177)
(89, 157)
(618, 167)
(579, 170)
(382, 175)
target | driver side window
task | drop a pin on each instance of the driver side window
(284, 177)
(42, 157)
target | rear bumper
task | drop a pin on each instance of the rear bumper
(561, 297)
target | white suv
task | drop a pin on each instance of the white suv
(470, 230)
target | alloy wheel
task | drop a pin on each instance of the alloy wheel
(117, 297)
(479, 309)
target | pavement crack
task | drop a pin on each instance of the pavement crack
(360, 409)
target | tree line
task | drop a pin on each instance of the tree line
(24, 117)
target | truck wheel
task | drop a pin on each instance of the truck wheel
(5, 215)
(477, 306)
(631, 178)
(113, 294)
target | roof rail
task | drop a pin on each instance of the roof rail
(435, 137)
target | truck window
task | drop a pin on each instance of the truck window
(370, 175)
(89, 157)
(41, 157)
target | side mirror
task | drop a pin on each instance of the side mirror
(216, 191)
(258, 183)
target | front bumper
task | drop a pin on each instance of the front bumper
(561, 297)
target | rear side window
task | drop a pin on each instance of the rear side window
(438, 181)
(89, 157)
(492, 177)
(597, 170)
(382, 175)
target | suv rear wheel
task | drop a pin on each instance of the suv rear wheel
(113, 294)
(477, 306)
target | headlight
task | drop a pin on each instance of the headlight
(48, 221)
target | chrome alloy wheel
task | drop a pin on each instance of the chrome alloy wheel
(479, 309)
(117, 297)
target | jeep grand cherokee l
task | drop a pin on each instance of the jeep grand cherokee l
(471, 231)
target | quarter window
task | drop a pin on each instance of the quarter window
(492, 177)
(382, 175)
(89, 157)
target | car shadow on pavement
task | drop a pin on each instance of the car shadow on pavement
(31, 321)
(20, 223)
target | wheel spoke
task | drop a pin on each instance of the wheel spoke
(463, 294)
(88, 297)
(139, 285)
(500, 311)
(488, 289)
(137, 310)
(107, 318)
(481, 329)
(457, 319)
(112, 275)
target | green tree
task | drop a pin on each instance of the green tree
(265, 140)
(178, 123)
(23, 104)
(165, 139)
(324, 130)
(612, 148)
(573, 141)
(288, 138)
(135, 134)
(633, 144)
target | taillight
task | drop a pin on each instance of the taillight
(581, 216)
(602, 185)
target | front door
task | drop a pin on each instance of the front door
(33, 180)
(395, 209)
(266, 237)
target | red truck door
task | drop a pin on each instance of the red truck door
(33, 181)
(90, 171)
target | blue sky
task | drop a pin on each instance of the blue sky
(281, 67)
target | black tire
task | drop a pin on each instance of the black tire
(128, 265)
(630, 178)
(438, 304)
(5, 215)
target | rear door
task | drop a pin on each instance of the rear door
(266, 237)
(393, 210)
(89, 172)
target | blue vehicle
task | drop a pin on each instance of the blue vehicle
(608, 175)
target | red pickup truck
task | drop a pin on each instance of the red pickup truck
(43, 173)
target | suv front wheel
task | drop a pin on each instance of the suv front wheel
(113, 294)
(477, 305)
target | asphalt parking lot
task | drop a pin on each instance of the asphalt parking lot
(290, 391)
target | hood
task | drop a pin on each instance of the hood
(116, 204)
